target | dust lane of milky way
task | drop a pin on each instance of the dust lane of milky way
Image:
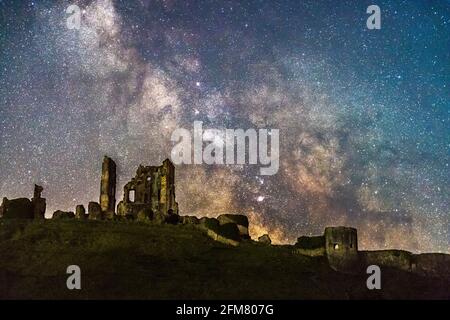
(363, 114)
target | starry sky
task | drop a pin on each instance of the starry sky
(364, 115)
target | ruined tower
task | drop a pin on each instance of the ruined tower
(341, 246)
(108, 185)
(152, 190)
(167, 187)
(38, 203)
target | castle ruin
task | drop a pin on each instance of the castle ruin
(341, 247)
(150, 196)
(338, 244)
(23, 208)
(152, 191)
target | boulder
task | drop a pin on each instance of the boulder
(95, 211)
(265, 239)
(230, 231)
(80, 212)
(63, 215)
(240, 220)
(209, 223)
(189, 220)
(227, 233)
(122, 209)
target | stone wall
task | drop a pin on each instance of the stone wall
(397, 259)
(20, 208)
(340, 246)
(310, 246)
(427, 264)
(23, 208)
(434, 264)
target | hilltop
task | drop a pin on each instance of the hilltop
(139, 260)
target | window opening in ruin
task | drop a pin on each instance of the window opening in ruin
(132, 195)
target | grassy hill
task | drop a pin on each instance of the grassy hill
(131, 260)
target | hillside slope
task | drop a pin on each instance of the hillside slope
(130, 260)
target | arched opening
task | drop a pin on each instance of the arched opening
(132, 195)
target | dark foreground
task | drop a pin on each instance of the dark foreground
(130, 260)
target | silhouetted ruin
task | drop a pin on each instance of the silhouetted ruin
(23, 208)
(108, 186)
(151, 191)
(340, 246)
(38, 203)
(150, 198)
(95, 211)
(265, 239)
(80, 212)
(63, 215)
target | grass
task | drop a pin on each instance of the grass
(131, 260)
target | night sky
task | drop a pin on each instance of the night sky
(364, 115)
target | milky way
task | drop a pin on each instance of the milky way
(364, 115)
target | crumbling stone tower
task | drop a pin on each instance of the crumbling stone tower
(152, 190)
(341, 246)
(167, 199)
(38, 203)
(108, 185)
